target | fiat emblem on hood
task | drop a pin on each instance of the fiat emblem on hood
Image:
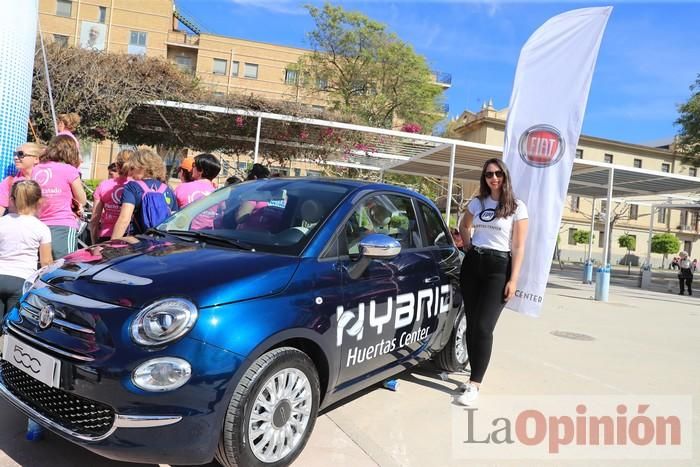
(46, 315)
(541, 146)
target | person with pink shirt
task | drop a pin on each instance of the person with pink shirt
(67, 124)
(108, 200)
(61, 186)
(205, 169)
(26, 157)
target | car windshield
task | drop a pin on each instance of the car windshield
(275, 215)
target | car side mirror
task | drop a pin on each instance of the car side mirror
(374, 246)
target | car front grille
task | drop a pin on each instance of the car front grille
(77, 414)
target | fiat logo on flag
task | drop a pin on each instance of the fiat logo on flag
(541, 146)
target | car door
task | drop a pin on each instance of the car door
(381, 312)
(448, 260)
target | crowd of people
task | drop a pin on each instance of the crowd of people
(42, 204)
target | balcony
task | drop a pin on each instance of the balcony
(183, 39)
(443, 79)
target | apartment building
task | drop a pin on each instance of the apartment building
(156, 28)
(488, 126)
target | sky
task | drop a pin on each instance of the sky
(649, 56)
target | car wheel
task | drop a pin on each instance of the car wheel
(454, 356)
(272, 411)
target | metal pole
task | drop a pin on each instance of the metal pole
(257, 141)
(606, 248)
(651, 233)
(448, 205)
(590, 237)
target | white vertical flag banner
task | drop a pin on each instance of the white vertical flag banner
(17, 38)
(549, 98)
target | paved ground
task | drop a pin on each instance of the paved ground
(643, 343)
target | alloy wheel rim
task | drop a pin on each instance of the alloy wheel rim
(461, 340)
(280, 415)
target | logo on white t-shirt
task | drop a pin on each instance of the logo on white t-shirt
(487, 215)
(42, 176)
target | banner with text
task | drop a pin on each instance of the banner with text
(546, 111)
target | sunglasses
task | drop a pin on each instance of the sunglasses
(497, 173)
(21, 155)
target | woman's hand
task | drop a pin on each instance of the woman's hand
(509, 291)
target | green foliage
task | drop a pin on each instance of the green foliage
(665, 244)
(364, 70)
(628, 242)
(582, 236)
(399, 221)
(689, 121)
(91, 184)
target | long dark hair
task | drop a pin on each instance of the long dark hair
(506, 203)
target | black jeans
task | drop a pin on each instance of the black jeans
(10, 292)
(483, 279)
(686, 281)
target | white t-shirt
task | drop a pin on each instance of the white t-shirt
(489, 231)
(20, 237)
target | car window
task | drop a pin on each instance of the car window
(435, 234)
(275, 216)
(390, 215)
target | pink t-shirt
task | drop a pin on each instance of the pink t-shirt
(187, 193)
(5, 187)
(55, 180)
(110, 193)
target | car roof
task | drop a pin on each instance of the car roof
(354, 185)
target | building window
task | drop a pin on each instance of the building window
(666, 168)
(137, 43)
(571, 236)
(634, 212)
(102, 16)
(185, 64)
(688, 247)
(579, 154)
(219, 66)
(250, 71)
(684, 219)
(313, 173)
(64, 8)
(234, 68)
(661, 216)
(290, 77)
(60, 40)
(608, 158)
(322, 84)
(575, 203)
(601, 239)
(603, 207)
(693, 172)
(297, 172)
(638, 163)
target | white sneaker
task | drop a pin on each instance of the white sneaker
(470, 394)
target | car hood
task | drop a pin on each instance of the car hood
(134, 272)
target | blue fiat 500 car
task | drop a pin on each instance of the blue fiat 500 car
(224, 331)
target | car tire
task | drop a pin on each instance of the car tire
(454, 356)
(287, 418)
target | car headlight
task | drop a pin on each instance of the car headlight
(164, 321)
(162, 374)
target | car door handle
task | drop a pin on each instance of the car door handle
(430, 280)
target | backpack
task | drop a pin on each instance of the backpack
(154, 208)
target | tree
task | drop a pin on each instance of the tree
(102, 88)
(629, 242)
(665, 244)
(362, 69)
(583, 236)
(689, 120)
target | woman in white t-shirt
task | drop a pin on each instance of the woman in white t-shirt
(490, 270)
(24, 242)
